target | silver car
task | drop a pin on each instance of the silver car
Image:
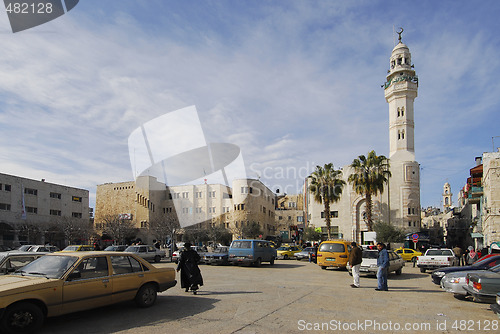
(454, 282)
(369, 263)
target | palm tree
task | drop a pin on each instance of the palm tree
(327, 187)
(368, 179)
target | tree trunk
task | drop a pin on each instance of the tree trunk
(327, 216)
(369, 222)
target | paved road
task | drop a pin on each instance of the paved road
(289, 297)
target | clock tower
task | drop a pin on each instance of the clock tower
(404, 186)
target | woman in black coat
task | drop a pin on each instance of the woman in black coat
(190, 272)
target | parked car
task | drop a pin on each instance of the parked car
(249, 251)
(496, 306)
(220, 255)
(369, 262)
(65, 282)
(44, 248)
(305, 253)
(455, 282)
(408, 254)
(24, 248)
(176, 255)
(435, 258)
(147, 252)
(116, 248)
(78, 248)
(333, 253)
(483, 287)
(286, 252)
(13, 260)
(483, 264)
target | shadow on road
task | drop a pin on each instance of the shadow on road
(206, 293)
(126, 316)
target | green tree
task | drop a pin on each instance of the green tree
(388, 233)
(310, 234)
(369, 176)
(326, 186)
(251, 230)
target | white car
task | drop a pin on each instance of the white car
(369, 262)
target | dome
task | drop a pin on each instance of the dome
(400, 48)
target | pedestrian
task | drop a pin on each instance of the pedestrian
(383, 266)
(355, 258)
(190, 272)
(472, 256)
(156, 244)
(458, 253)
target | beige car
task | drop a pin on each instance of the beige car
(66, 282)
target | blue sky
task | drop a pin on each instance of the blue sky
(292, 83)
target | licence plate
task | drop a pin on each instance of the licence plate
(330, 259)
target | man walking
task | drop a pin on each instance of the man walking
(383, 266)
(355, 258)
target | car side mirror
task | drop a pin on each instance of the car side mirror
(74, 275)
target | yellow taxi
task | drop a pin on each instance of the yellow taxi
(66, 282)
(78, 248)
(286, 252)
(333, 253)
(408, 254)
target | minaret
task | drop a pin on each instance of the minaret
(447, 196)
(400, 92)
(404, 185)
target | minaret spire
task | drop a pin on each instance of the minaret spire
(399, 33)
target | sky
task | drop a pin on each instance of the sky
(293, 84)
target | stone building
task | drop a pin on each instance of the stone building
(31, 206)
(146, 200)
(290, 216)
(491, 199)
(400, 202)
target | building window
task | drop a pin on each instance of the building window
(55, 195)
(300, 219)
(399, 112)
(264, 209)
(197, 194)
(198, 210)
(403, 134)
(409, 211)
(211, 194)
(30, 191)
(402, 111)
(211, 210)
(289, 217)
(7, 187)
(4, 207)
(409, 224)
(30, 209)
(280, 217)
(76, 199)
(176, 195)
(292, 204)
(333, 214)
(76, 214)
(55, 212)
(144, 224)
(185, 195)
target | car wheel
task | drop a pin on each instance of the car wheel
(146, 296)
(272, 261)
(422, 270)
(399, 271)
(157, 258)
(285, 257)
(23, 317)
(323, 267)
(258, 262)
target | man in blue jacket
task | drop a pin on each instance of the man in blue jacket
(383, 267)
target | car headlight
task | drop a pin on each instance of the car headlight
(454, 280)
(439, 273)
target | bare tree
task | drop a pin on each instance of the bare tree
(163, 227)
(118, 229)
(74, 230)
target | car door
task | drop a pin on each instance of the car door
(127, 275)
(88, 285)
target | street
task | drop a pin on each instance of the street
(289, 297)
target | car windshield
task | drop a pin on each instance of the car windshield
(24, 247)
(220, 250)
(48, 266)
(71, 248)
(241, 244)
(110, 248)
(283, 248)
(437, 252)
(367, 254)
(332, 248)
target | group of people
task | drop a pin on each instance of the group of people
(469, 256)
(356, 257)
